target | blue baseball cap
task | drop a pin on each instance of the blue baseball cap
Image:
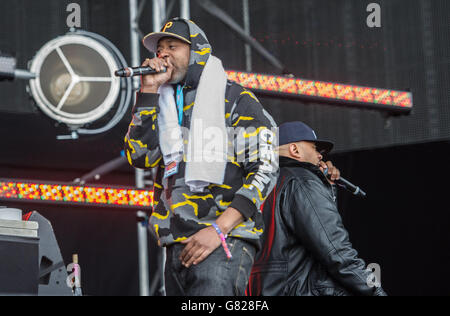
(293, 132)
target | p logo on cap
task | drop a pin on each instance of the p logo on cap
(167, 26)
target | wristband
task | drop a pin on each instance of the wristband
(223, 239)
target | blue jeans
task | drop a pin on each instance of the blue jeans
(215, 276)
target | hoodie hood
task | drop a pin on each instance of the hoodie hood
(200, 47)
(200, 52)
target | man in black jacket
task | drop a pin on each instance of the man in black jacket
(306, 249)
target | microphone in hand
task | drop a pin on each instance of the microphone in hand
(347, 185)
(136, 71)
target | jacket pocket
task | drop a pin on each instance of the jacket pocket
(323, 285)
(329, 291)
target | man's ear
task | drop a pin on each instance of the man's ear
(294, 150)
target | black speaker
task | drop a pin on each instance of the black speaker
(52, 271)
(18, 265)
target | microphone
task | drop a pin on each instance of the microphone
(136, 71)
(344, 183)
(356, 190)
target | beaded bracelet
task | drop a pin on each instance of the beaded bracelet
(223, 239)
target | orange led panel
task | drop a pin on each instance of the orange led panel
(38, 191)
(331, 93)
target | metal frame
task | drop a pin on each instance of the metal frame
(144, 285)
(160, 11)
(222, 16)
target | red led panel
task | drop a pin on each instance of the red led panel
(383, 99)
(74, 194)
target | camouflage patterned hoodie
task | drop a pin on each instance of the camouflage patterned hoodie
(249, 175)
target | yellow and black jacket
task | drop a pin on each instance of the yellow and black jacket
(177, 212)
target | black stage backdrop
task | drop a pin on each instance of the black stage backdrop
(402, 225)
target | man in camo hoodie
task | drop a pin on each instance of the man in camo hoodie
(211, 233)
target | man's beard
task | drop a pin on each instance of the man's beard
(178, 76)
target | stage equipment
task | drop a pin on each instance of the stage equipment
(12, 214)
(19, 265)
(52, 271)
(97, 173)
(75, 82)
(159, 12)
(8, 69)
(142, 230)
(72, 194)
(331, 93)
(19, 253)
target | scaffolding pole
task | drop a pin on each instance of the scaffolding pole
(144, 283)
(248, 49)
(185, 11)
(159, 14)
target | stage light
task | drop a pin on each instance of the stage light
(332, 93)
(69, 193)
(75, 82)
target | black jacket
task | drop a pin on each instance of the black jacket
(306, 249)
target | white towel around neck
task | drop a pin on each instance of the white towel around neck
(207, 139)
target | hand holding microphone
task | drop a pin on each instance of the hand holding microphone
(334, 177)
(136, 71)
(154, 73)
(331, 172)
